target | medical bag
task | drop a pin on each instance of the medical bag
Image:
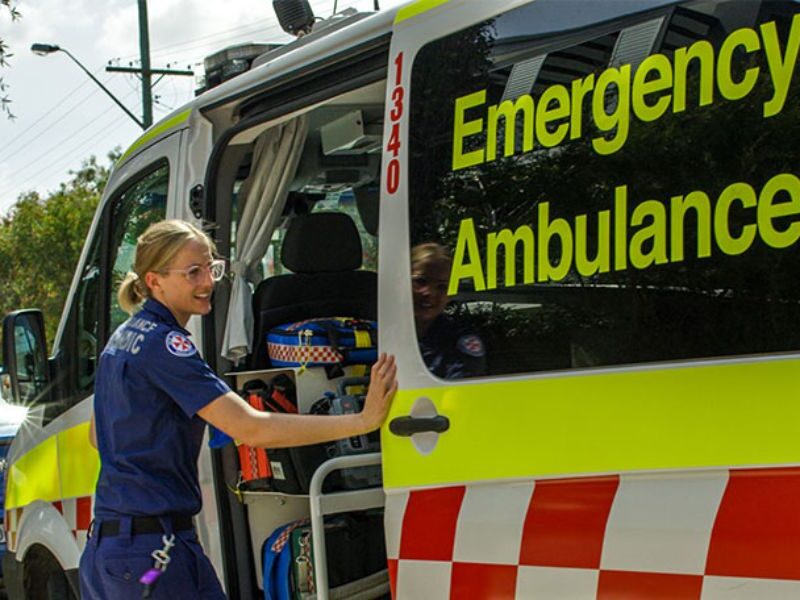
(324, 342)
(356, 558)
(293, 468)
(277, 396)
(343, 403)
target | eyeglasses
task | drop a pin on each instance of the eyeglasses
(419, 283)
(194, 274)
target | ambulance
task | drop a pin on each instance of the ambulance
(617, 184)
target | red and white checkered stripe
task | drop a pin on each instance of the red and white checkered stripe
(77, 513)
(11, 520)
(705, 535)
(303, 354)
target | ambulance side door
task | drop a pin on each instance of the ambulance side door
(588, 223)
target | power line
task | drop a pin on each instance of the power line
(198, 60)
(54, 162)
(49, 113)
(46, 114)
(193, 40)
(222, 42)
(58, 163)
(196, 43)
(4, 156)
(59, 145)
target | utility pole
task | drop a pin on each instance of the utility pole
(146, 72)
(144, 51)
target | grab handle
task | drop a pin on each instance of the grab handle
(408, 426)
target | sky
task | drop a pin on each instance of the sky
(62, 117)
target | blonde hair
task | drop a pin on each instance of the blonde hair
(155, 249)
(430, 252)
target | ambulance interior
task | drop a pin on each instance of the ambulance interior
(298, 205)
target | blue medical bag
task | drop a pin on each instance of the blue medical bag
(323, 342)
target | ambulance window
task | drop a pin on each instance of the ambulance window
(611, 188)
(140, 206)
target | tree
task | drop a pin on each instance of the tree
(41, 240)
(5, 101)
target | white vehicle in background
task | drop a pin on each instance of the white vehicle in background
(618, 182)
(11, 418)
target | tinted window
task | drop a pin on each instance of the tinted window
(130, 214)
(143, 204)
(624, 191)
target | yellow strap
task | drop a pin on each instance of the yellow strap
(363, 338)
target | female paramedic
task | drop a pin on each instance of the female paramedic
(449, 349)
(153, 396)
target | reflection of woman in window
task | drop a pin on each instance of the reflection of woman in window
(449, 350)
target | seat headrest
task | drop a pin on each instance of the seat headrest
(321, 243)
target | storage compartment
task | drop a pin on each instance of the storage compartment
(290, 565)
(288, 496)
(305, 390)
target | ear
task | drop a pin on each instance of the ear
(152, 281)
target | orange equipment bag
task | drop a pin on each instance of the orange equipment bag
(254, 462)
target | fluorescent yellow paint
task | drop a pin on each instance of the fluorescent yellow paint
(79, 462)
(64, 465)
(681, 418)
(416, 8)
(156, 131)
(34, 476)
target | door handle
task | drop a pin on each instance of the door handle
(408, 426)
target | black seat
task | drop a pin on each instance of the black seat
(323, 251)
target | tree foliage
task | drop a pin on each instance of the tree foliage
(41, 240)
(5, 101)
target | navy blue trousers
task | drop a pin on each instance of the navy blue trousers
(111, 566)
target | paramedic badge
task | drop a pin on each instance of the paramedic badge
(180, 345)
(471, 345)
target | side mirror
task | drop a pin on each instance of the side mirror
(25, 372)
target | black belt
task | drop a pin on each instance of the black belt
(142, 525)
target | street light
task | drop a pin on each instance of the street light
(45, 49)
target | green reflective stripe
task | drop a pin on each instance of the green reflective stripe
(155, 132)
(416, 8)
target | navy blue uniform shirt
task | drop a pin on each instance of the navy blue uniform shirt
(150, 384)
(451, 351)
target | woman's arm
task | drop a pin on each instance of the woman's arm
(238, 419)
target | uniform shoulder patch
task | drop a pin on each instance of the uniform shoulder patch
(179, 344)
(471, 345)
